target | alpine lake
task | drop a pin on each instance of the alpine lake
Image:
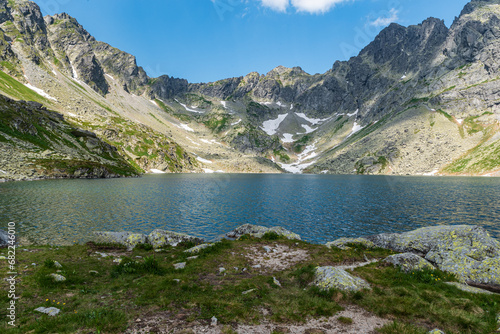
(320, 208)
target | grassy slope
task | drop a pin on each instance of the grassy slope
(112, 299)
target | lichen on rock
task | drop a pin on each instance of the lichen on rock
(259, 231)
(128, 239)
(408, 262)
(342, 243)
(336, 278)
(160, 238)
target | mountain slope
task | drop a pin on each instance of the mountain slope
(422, 99)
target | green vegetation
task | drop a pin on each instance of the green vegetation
(216, 123)
(100, 295)
(17, 90)
(282, 156)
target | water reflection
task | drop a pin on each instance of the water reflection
(320, 208)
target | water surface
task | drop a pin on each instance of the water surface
(320, 208)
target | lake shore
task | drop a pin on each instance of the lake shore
(265, 281)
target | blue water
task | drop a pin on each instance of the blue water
(320, 208)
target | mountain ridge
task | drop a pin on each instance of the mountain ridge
(416, 100)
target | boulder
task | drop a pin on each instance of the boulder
(197, 249)
(58, 278)
(409, 262)
(467, 288)
(466, 251)
(472, 241)
(128, 239)
(259, 231)
(4, 238)
(342, 243)
(336, 278)
(160, 238)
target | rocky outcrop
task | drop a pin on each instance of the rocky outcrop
(160, 238)
(343, 243)
(334, 278)
(128, 239)
(409, 262)
(198, 248)
(465, 251)
(259, 231)
(4, 239)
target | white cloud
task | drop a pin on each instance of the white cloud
(385, 20)
(278, 5)
(309, 6)
(315, 6)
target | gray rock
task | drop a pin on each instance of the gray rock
(436, 331)
(248, 291)
(58, 278)
(335, 278)
(197, 249)
(52, 311)
(259, 231)
(4, 238)
(409, 262)
(342, 243)
(57, 264)
(472, 241)
(128, 239)
(192, 257)
(275, 281)
(467, 288)
(214, 321)
(221, 270)
(160, 238)
(181, 265)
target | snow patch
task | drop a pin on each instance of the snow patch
(291, 107)
(355, 128)
(301, 164)
(75, 74)
(190, 109)
(72, 115)
(236, 123)
(313, 121)
(153, 102)
(308, 128)
(40, 92)
(403, 77)
(109, 76)
(224, 104)
(192, 141)
(271, 127)
(287, 138)
(433, 173)
(200, 159)
(184, 127)
(460, 121)
(211, 142)
(280, 104)
(208, 171)
(324, 171)
(353, 114)
(157, 171)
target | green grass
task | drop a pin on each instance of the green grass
(145, 283)
(19, 91)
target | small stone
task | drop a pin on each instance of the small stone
(58, 278)
(236, 268)
(197, 249)
(159, 250)
(192, 257)
(102, 254)
(33, 264)
(275, 281)
(59, 271)
(52, 311)
(257, 266)
(94, 272)
(214, 321)
(267, 249)
(117, 260)
(138, 320)
(177, 280)
(57, 264)
(436, 331)
(221, 270)
(248, 291)
(181, 265)
(138, 257)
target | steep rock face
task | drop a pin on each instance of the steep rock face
(165, 87)
(72, 45)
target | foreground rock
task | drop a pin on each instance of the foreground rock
(52, 311)
(409, 262)
(160, 238)
(343, 243)
(197, 249)
(467, 288)
(259, 231)
(4, 238)
(336, 278)
(128, 239)
(466, 251)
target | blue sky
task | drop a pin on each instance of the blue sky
(208, 40)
